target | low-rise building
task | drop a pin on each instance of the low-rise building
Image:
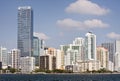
(27, 64)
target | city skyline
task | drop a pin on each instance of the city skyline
(59, 22)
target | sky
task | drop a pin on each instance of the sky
(59, 22)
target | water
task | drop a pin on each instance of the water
(59, 77)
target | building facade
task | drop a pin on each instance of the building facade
(110, 47)
(47, 62)
(15, 58)
(27, 64)
(103, 57)
(117, 56)
(59, 59)
(4, 57)
(90, 46)
(36, 50)
(25, 30)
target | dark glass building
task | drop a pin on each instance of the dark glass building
(25, 30)
(36, 50)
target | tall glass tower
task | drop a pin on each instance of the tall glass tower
(25, 30)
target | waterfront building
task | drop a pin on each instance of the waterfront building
(27, 64)
(90, 46)
(25, 30)
(117, 55)
(110, 47)
(47, 62)
(4, 57)
(89, 65)
(15, 58)
(36, 50)
(9, 59)
(103, 57)
(42, 47)
(73, 53)
(59, 59)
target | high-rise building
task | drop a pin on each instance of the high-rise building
(103, 57)
(47, 62)
(110, 47)
(36, 50)
(25, 30)
(15, 59)
(73, 52)
(117, 46)
(4, 57)
(59, 58)
(90, 46)
(117, 56)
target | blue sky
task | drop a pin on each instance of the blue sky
(61, 21)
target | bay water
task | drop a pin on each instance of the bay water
(59, 77)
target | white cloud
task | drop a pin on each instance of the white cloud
(113, 35)
(87, 24)
(94, 23)
(86, 7)
(41, 36)
(69, 23)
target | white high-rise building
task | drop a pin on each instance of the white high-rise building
(4, 57)
(73, 53)
(27, 64)
(15, 58)
(117, 56)
(90, 46)
(59, 59)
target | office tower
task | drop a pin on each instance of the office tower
(90, 46)
(117, 55)
(103, 57)
(36, 50)
(27, 64)
(25, 30)
(4, 57)
(15, 58)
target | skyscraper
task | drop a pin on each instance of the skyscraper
(25, 30)
(90, 46)
(36, 50)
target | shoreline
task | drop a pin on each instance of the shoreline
(60, 73)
